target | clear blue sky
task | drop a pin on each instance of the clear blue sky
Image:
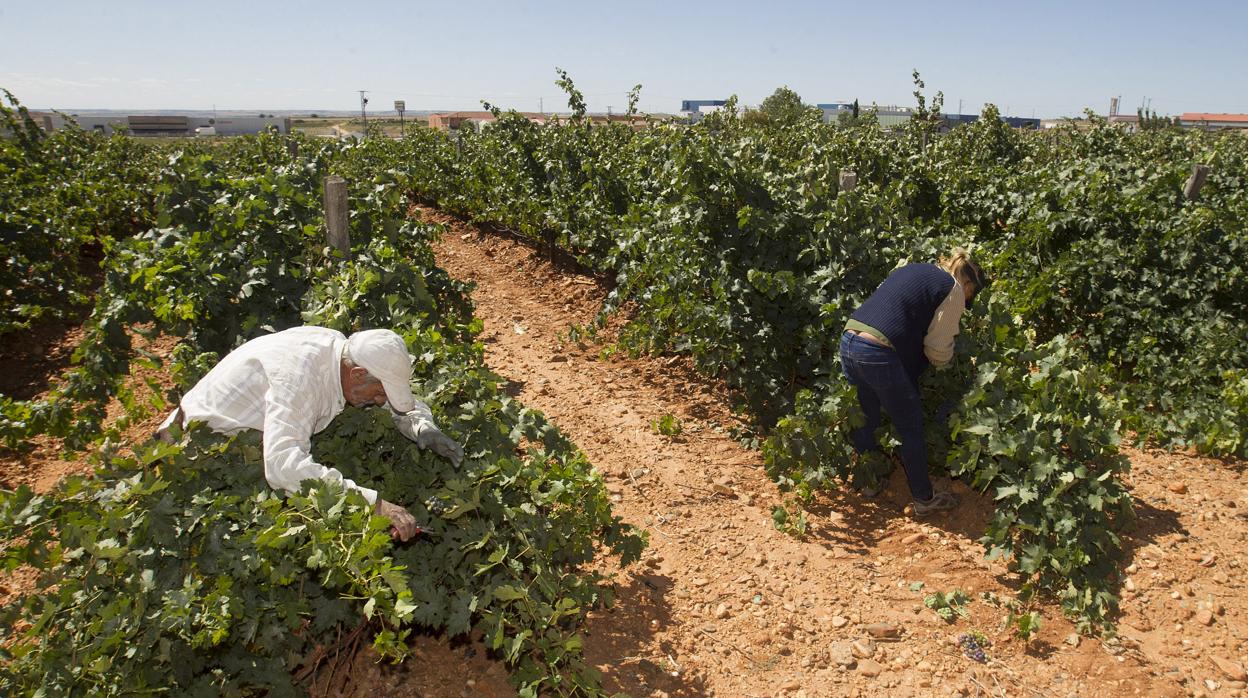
(1048, 58)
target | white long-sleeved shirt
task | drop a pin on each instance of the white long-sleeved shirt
(938, 342)
(287, 385)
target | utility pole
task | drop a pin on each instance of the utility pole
(363, 113)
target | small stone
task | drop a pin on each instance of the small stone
(1233, 671)
(839, 621)
(1204, 616)
(721, 611)
(1212, 685)
(725, 490)
(841, 653)
(1073, 639)
(1177, 488)
(700, 581)
(558, 358)
(1129, 585)
(791, 685)
(870, 667)
(913, 538)
(883, 631)
(864, 648)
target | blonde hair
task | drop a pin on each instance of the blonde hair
(963, 267)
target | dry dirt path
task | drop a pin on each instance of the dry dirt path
(724, 604)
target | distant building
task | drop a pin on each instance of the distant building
(888, 117)
(696, 109)
(951, 120)
(165, 125)
(891, 116)
(453, 120)
(694, 105)
(1213, 121)
(1128, 122)
(834, 109)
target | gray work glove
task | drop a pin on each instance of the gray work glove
(423, 432)
(402, 524)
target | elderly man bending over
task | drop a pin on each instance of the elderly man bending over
(291, 384)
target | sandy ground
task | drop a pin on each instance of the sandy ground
(726, 605)
(723, 604)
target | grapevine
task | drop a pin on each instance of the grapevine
(178, 568)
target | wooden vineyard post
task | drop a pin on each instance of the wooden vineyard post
(849, 180)
(1192, 189)
(336, 214)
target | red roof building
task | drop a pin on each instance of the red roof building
(1213, 121)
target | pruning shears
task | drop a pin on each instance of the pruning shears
(421, 532)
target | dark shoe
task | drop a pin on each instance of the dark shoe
(940, 501)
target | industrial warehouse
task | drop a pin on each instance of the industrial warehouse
(165, 125)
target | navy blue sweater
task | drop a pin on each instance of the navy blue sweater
(902, 308)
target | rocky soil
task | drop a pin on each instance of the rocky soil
(723, 603)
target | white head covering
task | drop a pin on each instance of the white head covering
(384, 355)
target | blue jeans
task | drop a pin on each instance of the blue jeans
(882, 381)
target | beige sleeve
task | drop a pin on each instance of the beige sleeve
(938, 343)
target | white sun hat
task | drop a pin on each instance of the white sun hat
(384, 355)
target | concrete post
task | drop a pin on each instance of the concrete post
(849, 180)
(1192, 189)
(336, 214)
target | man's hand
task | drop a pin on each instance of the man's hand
(403, 524)
(428, 436)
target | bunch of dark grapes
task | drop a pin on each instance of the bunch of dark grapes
(437, 507)
(973, 647)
